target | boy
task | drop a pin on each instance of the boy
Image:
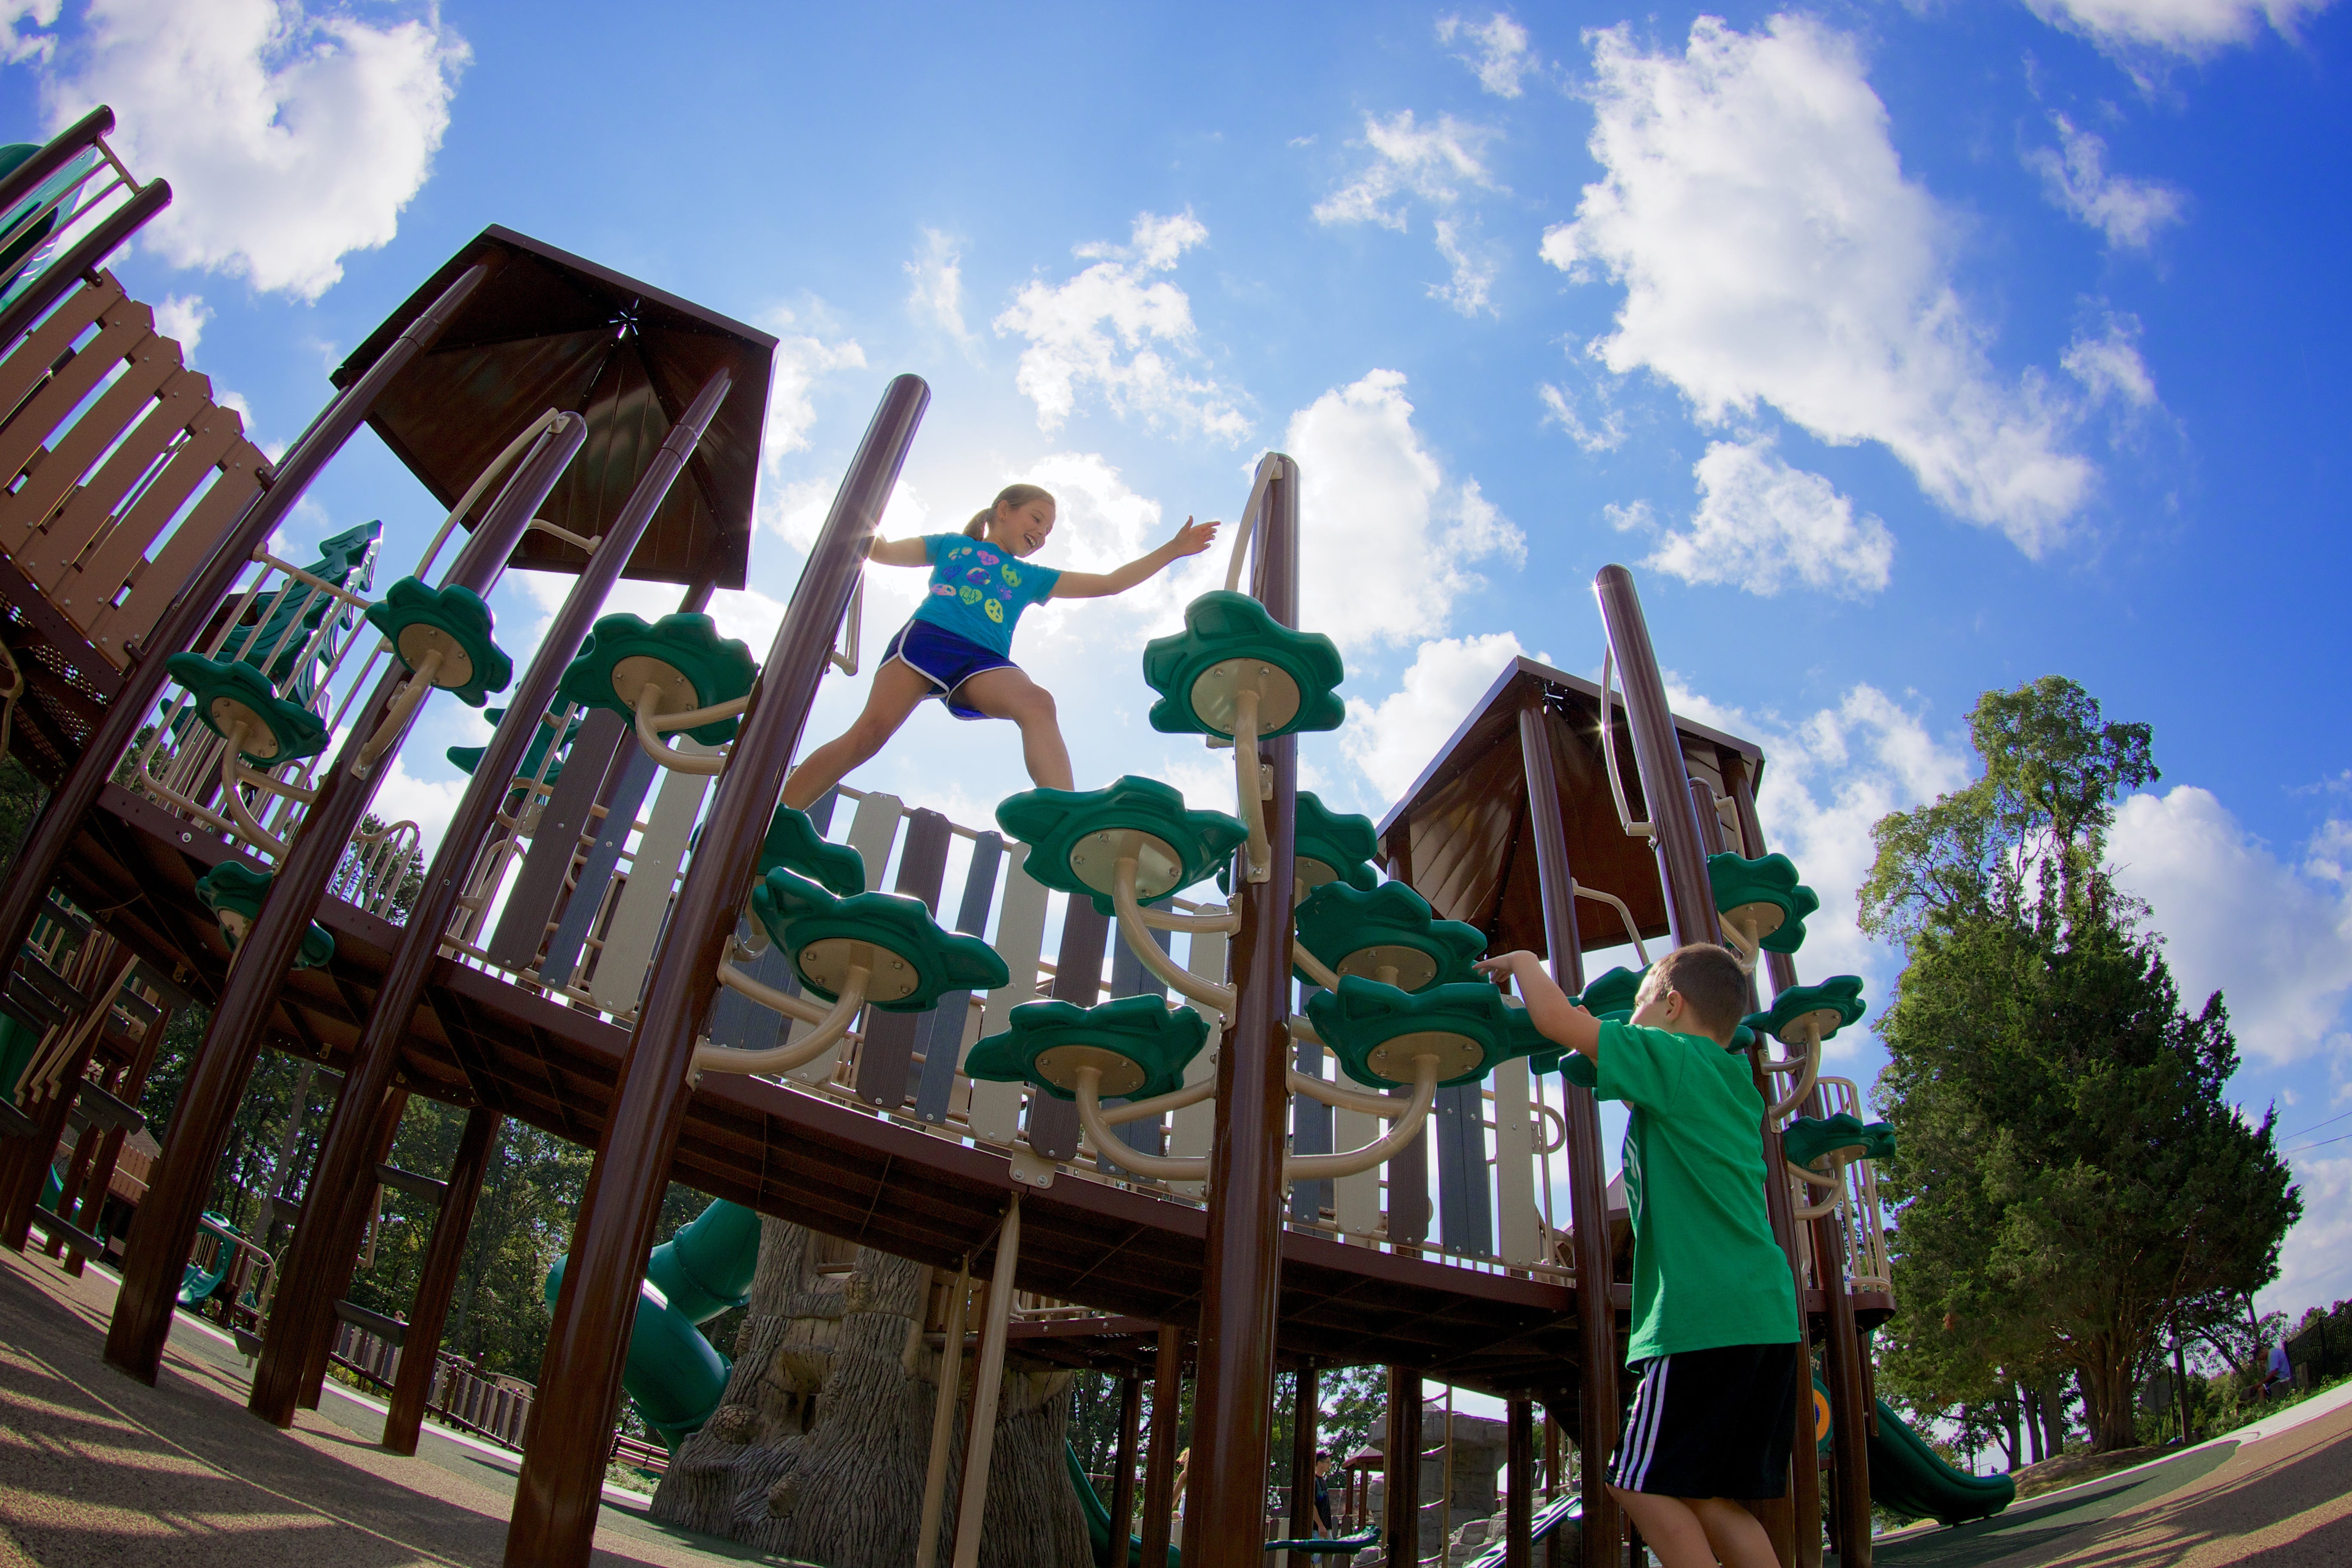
(1715, 1315)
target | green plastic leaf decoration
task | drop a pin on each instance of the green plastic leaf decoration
(794, 842)
(1331, 847)
(236, 888)
(1362, 1016)
(1837, 1000)
(414, 618)
(227, 692)
(799, 913)
(720, 668)
(1072, 837)
(1357, 933)
(284, 621)
(1809, 1138)
(1160, 1040)
(1221, 627)
(1771, 879)
(1613, 993)
(468, 758)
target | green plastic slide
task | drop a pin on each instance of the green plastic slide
(1909, 1478)
(1098, 1518)
(673, 1375)
(197, 1285)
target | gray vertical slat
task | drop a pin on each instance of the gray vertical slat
(1409, 1185)
(571, 938)
(516, 942)
(1310, 1129)
(1464, 1193)
(941, 1035)
(1129, 978)
(737, 1020)
(1078, 980)
(889, 1045)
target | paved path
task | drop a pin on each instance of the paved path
(98, 1469)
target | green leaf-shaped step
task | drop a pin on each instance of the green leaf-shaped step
(1835, 1003)
(919, 963)
(452, 622)
(233, 890)
(1377, 1030)
(226, 694)
(1777, 903)
(1389, 927)
(468, 758)
(1333, 846)
(683, 652)
(1809, 1138)
(1228, 642)
(1077, 837)
(794, 842)
(1141, 1044)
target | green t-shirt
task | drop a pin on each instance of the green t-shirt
(978, 591)
(1706, 1271)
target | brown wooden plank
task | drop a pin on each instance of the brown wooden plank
(119, 562)
(122, 329)
(168, 399)
(523, 926)
(56, 473)
(888, 1050)
(22, 369)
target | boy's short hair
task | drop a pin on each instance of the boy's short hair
(1710, 981)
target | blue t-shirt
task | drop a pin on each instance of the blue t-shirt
(979, 590)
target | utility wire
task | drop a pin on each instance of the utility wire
(2317, 1125)
(2323, 1143)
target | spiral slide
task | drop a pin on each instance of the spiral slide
(1909, 1478)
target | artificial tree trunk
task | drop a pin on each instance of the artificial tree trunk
(819, 1450)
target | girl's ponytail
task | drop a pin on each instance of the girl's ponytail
(1011, 495)
(978, 527)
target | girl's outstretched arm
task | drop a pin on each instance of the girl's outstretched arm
(898, 553)
(1191, 540)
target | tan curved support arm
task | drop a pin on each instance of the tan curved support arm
(1109, 1145)
(235, 799)
(1808, 1067)
(405, 704)
(1339, 1096)
(1167, 919)
(1175, 1100)
(1815, 1178)
(1183, 982)
(1249, 784)
(1301, 1028)
(1315, 969)
(796, 1053)
(670, 756)
(1406, 1128)
(1821, 1210)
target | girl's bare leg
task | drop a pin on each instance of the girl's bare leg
(1739, 1539)
(1007, 693)
(895, 691)
(1670, 1526)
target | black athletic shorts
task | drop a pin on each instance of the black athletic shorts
(1713, 1422)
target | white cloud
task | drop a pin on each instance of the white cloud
(2275, 938)
(290, 139)
(1116, 328)
(182, 319)
(1773, 251)
(429, 803)
(937, 297)
(802, 358)
(20, 47)
(2192, 28)
(1762, 526)
(1503, 56)
(1559, 408)
(2075, 178)
(1392, 539)
(2109, 365)
(1392, 740)
(2315, 1263)
(1473, 272)
(1439, 163)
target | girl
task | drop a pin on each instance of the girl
(959, 647)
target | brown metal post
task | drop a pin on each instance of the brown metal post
(562, 1469)
(182, 621)
(151, 1264)
(1400, 1463)
(1588, 1186)
(41, 1148)
(1160, 1472)
(1843, 1370)
(1241, 1278)
(1518, 1470)
(78, 1168)
(1305, 1408)
(420, 1347)
(352, 1218)
(1122, 1485)
(1657, 752)
(134, 1084)
(303, 1318)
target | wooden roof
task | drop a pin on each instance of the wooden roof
(1460, 836)
(549, 330)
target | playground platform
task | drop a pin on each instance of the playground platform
(102, 1471)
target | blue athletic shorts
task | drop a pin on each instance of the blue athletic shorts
(944, 660)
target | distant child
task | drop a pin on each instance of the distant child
(959, 647)
(1714, 1316)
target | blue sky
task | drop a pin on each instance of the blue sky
(1902, 351)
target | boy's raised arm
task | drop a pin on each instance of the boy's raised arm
(1556, 1017)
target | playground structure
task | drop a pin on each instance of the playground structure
(623, 939)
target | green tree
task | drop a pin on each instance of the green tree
(2069, 1174)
